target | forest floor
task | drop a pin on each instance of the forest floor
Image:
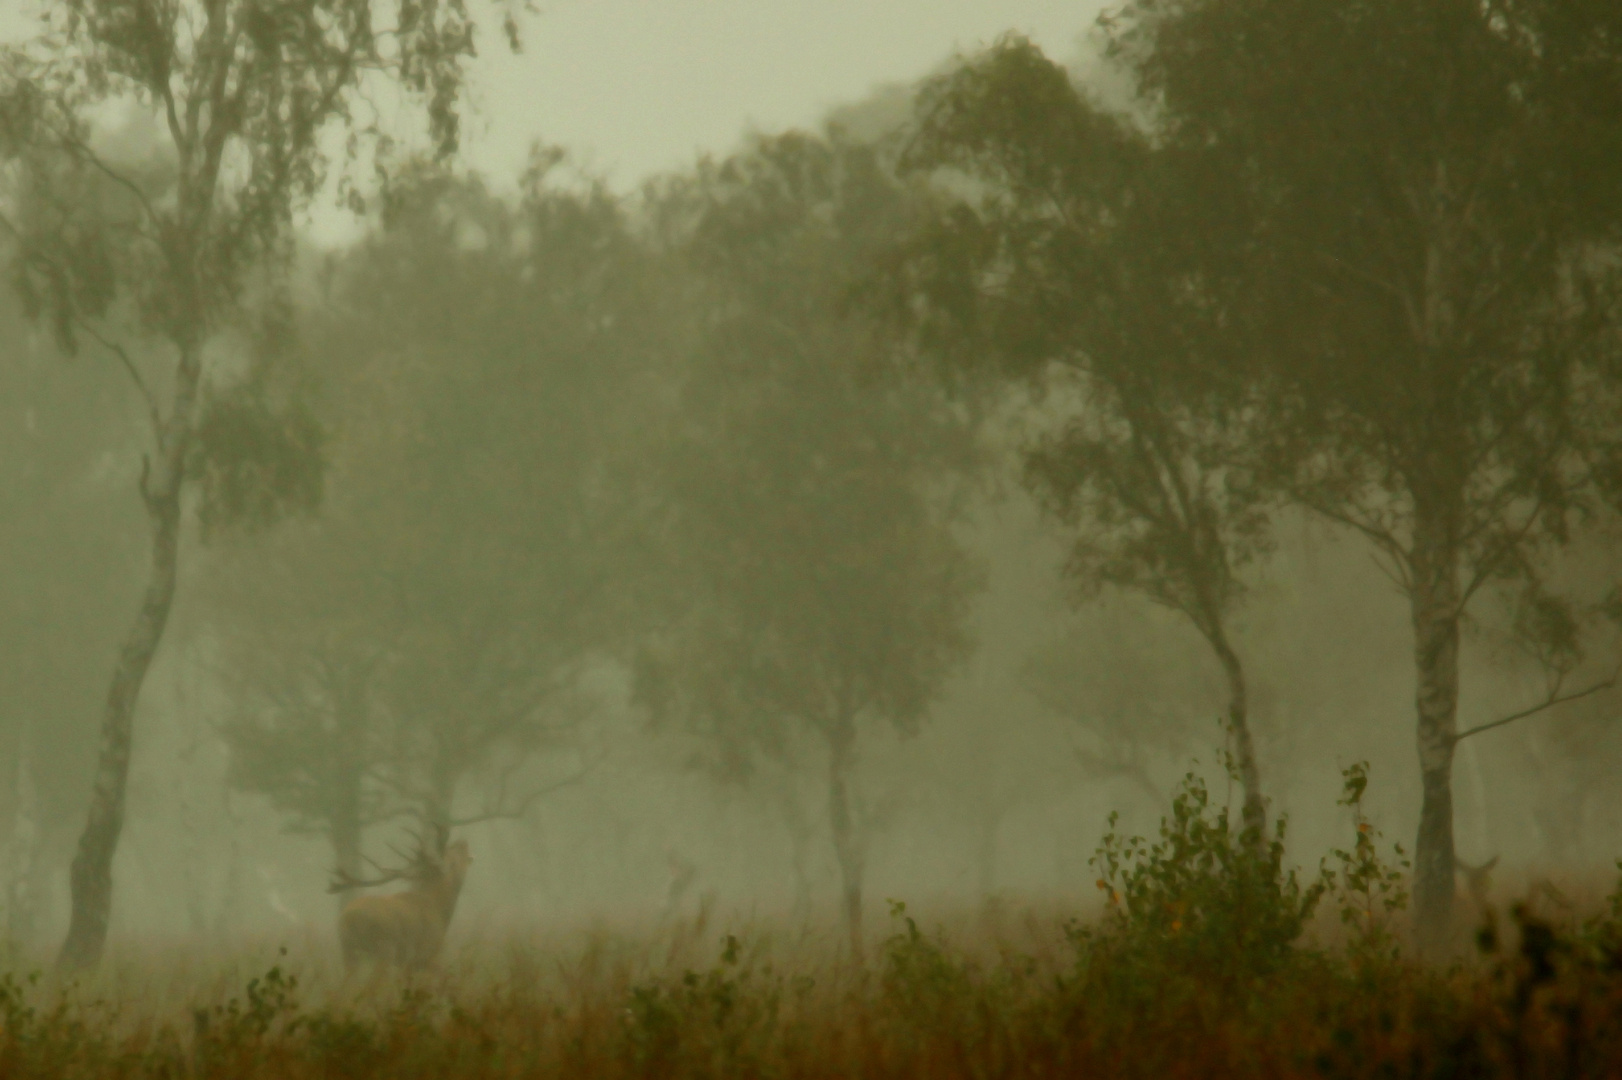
(1010, 990)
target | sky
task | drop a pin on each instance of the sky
(636, 87)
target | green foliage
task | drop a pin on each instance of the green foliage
(1370, 888)
(721, 1022)
(477, 362)
(1601, 936)
(1397, 217)
(1548, 1004)
(808, 574)
(270, 1003)
(254, 465)
(920, 975)
(1205, 897)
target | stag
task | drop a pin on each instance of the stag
(403, 929)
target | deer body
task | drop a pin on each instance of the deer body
(405, 929)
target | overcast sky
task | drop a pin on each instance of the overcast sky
(639, 86)
(635, 87)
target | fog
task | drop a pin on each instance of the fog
(585, 492)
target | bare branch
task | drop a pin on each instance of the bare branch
(129, 367)
(536, 794)
(1555, 698)
(1490, 561)
(111, 346)
(1368, 277)
(1393, 572)
(1380, 537)
(89, 156)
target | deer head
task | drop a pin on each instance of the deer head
(1477, 880)
(404, 929)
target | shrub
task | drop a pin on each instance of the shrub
(1205, 898)
(1371, 889)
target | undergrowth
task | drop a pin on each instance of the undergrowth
(1212, 958)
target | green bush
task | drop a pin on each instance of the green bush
(1205, 899)
(1371, 889)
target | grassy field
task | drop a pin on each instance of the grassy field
(1206, 957)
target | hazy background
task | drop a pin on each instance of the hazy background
(999, 793)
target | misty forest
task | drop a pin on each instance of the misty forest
(1097, 564)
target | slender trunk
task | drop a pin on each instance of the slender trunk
(800, 835)
(847, 844)
(348, 772)
(345, 829)
(22, 851)
(1254, 812)
(226, 917)
(442, 775)
(800, 854)
(986, 852)
(91, 877)
(1435, 608)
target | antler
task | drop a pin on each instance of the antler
(344, 881)
(420, 866)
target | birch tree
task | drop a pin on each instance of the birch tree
(1063, 266)
(1418, 201)
(148, 257)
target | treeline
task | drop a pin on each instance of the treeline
(716, 442)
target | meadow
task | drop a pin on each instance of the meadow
(1204, 955)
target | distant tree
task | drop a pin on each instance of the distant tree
(1060, 267)
(1135, 696)
(149, 255)
(434, 626)
(811, 580)
(304, 729)
(1417, 204)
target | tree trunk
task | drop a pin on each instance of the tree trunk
(1435, 607)
(349, 769)
(847, 844)
(800, 854)
(91, 878)
(443, 772)
(226, 918)
(345, 830)
(985, 855)
(22, 855)
(1254, 811)
(800, 835)
(162, 477)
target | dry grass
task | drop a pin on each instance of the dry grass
(1001, 993)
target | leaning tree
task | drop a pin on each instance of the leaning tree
(1064, 267)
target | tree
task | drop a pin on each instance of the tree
(1417, 203)
(1135, 693)
(305, 730)
(477, 358)
(150, 255)
(1060, 267)
(813, 584)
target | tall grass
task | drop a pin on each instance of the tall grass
(1209, 959)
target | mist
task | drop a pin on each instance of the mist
(753, 470)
